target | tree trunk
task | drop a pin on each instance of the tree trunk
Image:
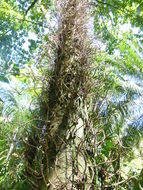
(64, 165)
(68, 87)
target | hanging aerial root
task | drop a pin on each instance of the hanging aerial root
(70, 72)
(68, 88)
(66, 94)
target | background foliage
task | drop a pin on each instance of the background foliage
(115, 107)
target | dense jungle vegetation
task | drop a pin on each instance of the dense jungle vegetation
(71, 94)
